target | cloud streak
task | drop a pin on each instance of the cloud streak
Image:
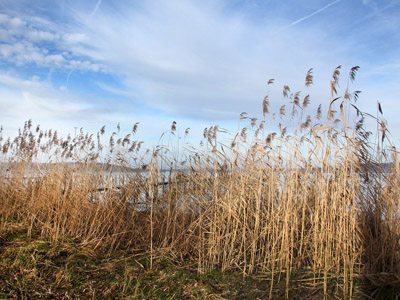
(308, 16)
(95, 9)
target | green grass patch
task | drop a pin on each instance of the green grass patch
(32, 268)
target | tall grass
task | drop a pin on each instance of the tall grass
(320, 205)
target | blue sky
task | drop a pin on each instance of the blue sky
(73, 63)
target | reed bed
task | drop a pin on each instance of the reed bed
(315, 202)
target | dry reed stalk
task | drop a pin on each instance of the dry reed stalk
(314, 202)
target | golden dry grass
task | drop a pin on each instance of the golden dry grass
(321, 203)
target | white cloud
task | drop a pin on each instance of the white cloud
(35, 35)
(24, 99)
(26, 42)
(116, 91)
(195, 60)
(192, 58)
(35, 99)
(74, 38)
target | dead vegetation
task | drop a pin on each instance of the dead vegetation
(315, 202)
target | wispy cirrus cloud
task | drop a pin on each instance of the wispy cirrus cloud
(197, 60)
(202, 61)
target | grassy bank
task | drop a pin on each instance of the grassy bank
(306, 204)
(31, 267)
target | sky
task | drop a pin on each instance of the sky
(71, 63)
